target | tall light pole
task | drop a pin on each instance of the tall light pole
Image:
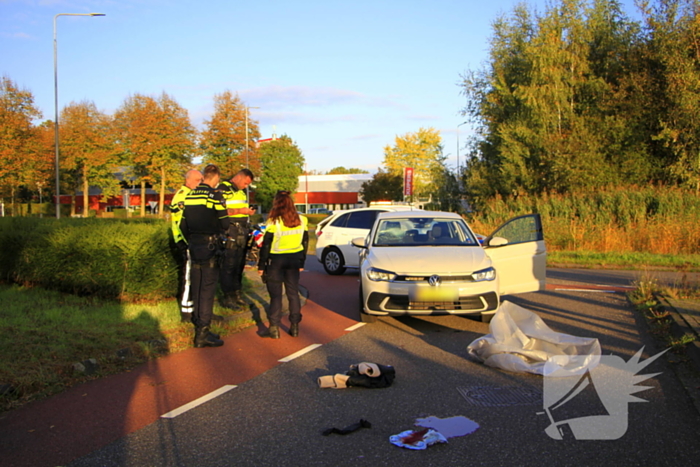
(247, 110)
(463, 123)
(55, 93)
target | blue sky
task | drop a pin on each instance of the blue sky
(342, 79)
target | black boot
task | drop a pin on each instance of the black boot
(238, 299)
(228, 302)
(203, 338)
(272, 332)
(185, 317)
(294, 330)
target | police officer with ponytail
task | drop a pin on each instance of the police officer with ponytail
(282, 258)
(204, 223)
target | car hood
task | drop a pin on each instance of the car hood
(430, 260)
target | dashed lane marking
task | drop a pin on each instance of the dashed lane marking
(291, 357)
(585, 290)
(355, 326)
(195, 403)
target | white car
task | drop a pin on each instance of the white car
(429, 263)
(334, 235)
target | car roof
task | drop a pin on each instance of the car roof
(404, 214)
(402, 208)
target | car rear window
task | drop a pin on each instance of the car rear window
(362, 219)
(340, 221)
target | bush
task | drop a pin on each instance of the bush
(110, 258)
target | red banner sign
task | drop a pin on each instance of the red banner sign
(408, 181)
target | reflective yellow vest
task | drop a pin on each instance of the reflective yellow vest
(287, 239)
(177, 207)
(235, 199)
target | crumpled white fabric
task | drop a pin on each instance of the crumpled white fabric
(429, 438)
(520, 341)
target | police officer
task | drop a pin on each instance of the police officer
(231, 275)
(177, 205)
(282, 257)
(203, 223)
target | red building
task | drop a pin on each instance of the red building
(330, 191)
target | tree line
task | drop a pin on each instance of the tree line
(147, 141)
(582, 97)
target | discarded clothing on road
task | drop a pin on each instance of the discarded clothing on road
(348, 429)
(520, 341)
(449, 427)
(418, 439)
(365, 374)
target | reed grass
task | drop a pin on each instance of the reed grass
(629, 223)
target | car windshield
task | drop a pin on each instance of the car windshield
(423, 231)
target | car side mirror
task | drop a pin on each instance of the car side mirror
(497, 241)
(359, 242)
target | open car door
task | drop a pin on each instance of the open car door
(519, 254)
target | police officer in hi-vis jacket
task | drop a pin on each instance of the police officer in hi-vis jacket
(282, 258)
(204, 222)
(192, 179)
(231, 274)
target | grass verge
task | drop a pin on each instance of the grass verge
(50, 340)
(624, 260)
(646, 297)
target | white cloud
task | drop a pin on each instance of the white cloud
(306, 96)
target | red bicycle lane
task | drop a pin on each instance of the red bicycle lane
(64, 427)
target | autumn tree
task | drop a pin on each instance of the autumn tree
(156, 140)
(87, 152)
(422, 151)
(282, 163)
(17, 136)
(384, 186)
(223, 141)
(39, 170)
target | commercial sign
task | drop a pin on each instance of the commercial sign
(408, 181)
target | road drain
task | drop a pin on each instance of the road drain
(490, 396)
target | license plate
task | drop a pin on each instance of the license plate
(439, 293)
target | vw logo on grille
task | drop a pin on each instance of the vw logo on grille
(434, 280)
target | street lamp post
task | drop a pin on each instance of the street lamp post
(247, 110)
(463, 123)
(55, 92)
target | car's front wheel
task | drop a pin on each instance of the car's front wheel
(333, 261)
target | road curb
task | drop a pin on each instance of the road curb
(682, 326)
(689, 375)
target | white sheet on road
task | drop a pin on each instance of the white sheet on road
(520, 341)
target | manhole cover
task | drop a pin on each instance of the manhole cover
(490, 396)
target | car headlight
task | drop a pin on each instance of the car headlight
(375, 274)
(488, 274)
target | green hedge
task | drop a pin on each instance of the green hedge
(111, 258)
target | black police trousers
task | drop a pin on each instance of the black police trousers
(283, 270)
(204, 277)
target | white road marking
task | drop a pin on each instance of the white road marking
(586, 290)
(191, 405)
(291, 357)
(355, 326)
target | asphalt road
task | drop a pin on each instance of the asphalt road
(276, 418)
